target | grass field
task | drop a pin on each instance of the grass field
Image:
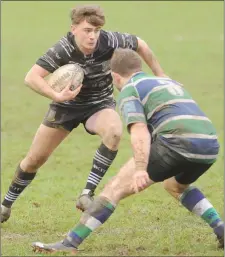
(187, 38)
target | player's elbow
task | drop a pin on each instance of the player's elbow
(34, 74)
(29, 78)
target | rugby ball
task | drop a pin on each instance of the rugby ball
(67, 74)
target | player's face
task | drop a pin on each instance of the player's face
(86, 36)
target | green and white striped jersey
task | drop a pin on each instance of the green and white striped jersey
(171, 114)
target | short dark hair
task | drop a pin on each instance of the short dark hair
(125, 62)
(93, 14)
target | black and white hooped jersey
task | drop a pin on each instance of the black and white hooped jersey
(97, 83)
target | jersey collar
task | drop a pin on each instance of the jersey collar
(135, 75)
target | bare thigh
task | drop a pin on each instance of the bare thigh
(44, 143)
(107, 124)
(174, 188)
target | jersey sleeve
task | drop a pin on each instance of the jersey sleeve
(53, 58)
(122, 40)
(130, 106)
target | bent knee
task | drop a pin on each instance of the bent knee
(113, 134)
(173, 187)
(115, 130)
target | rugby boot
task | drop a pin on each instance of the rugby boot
(219, 231)
(85, 200)
(220, 242)
(61, 247)
(5, 213)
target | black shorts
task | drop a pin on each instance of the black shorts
(70, 116)
(165, 163)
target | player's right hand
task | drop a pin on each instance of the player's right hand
(140, 180)
(66, 94)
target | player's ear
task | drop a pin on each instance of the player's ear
(113, 76)
(116, 78)
(73, 29)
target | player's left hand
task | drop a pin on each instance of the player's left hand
(140, 180)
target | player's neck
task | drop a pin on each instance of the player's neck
(128, 79)
(86, 51)
(123, 82)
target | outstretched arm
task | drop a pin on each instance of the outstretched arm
(147, 55)
(125, 40)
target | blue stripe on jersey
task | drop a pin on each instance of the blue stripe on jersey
(173, 110)
(132, 106)
(145, 86)
(194, 145)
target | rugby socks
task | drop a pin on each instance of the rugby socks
(100, 210)
(193, 199)
(102, 160)
(20, 181)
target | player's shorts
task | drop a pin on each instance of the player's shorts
(165, 163)
(69, 117)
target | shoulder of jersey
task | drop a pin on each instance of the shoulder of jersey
(65, 45)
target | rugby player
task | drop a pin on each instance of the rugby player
(91, 47)
(173, 142)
